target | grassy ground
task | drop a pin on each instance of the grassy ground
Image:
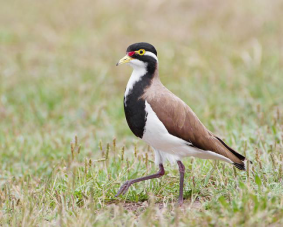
(58, 79)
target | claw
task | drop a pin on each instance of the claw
(180, 202)
(123, 189)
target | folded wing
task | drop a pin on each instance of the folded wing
(182, 122)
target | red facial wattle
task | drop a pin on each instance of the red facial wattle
(131, 53)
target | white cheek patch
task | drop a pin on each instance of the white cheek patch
(148, 53)
(135, 63)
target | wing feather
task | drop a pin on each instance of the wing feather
(181, 121)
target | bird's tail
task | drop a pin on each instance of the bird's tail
(243, 159)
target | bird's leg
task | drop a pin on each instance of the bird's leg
(123, 189)
(181, 180)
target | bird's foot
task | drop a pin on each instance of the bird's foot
(180, 202)
(124, 188)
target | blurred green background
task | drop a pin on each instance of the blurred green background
(58, 76)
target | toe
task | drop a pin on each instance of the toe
(123, 189)
(180, 202)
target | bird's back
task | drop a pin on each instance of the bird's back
(182, 122)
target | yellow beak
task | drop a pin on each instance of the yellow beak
(123, 60)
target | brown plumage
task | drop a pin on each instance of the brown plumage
(182, 122)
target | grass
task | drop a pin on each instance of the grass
(58, 79)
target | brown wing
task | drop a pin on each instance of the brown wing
(182, 122)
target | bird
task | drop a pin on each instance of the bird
(164, 121)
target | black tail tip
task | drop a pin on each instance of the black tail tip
(240, 166)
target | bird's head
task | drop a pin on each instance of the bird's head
(140, 55)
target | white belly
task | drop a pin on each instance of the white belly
(168, 146)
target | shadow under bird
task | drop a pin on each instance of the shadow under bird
(164, 121)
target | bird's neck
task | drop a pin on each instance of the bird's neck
(141, 78)
(134, 104)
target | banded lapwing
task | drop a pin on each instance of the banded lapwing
(164, 121)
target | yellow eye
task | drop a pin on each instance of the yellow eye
(140, 52)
